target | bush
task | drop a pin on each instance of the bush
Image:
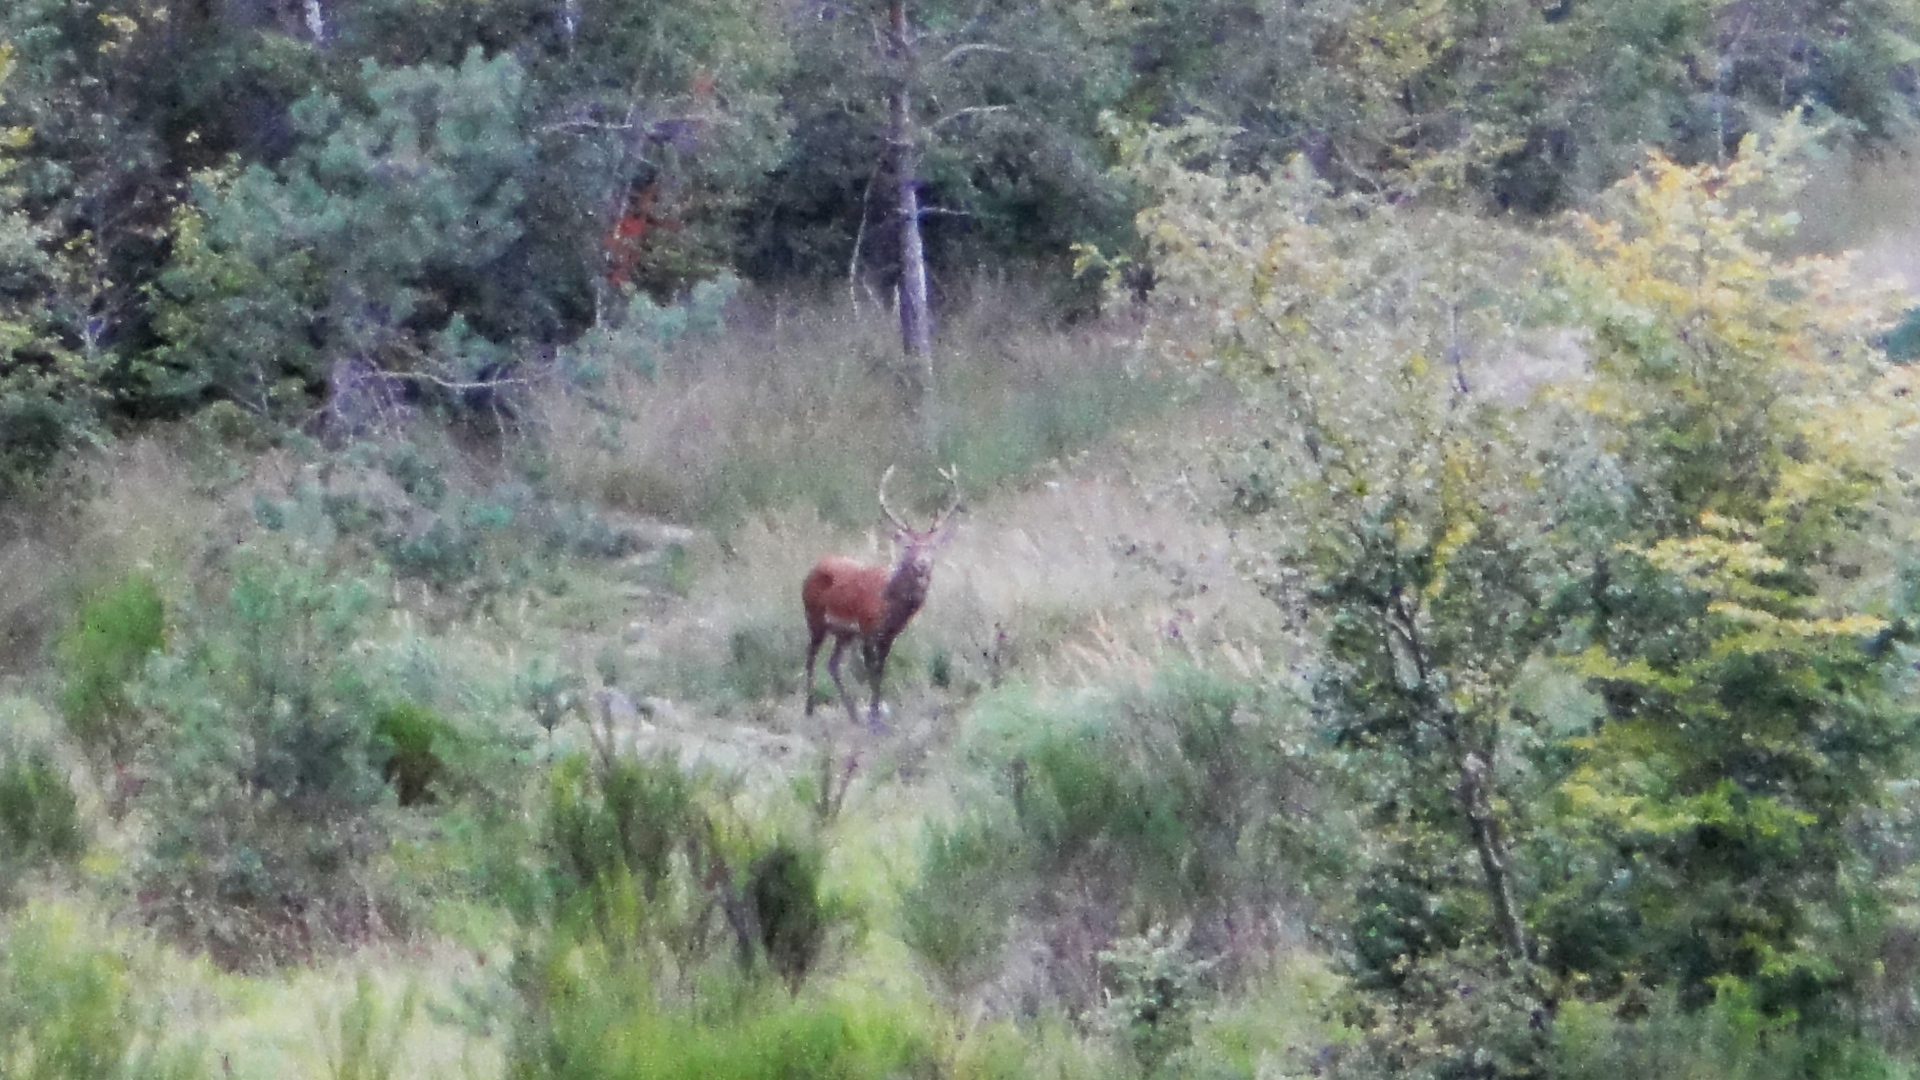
(593, 1027)
(628, 818)
(1729, 1039)
(361, 1045)
(268, 806)
(955, 913)
(1119, 810)
(407, 734)
(105, 651)
(68, 1010)
(38, 817)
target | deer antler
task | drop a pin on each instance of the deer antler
(952, 473)
(888, 510)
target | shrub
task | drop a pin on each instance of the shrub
(1154, 987)
(363, 1045)
(783, 888)
(955, 913)
(1119, 809)
(407, 734)
(628, 818)
(592, 1026)
(267, 809)
(38, 817)
(68, 1010)
(117, 630)
(762, 658)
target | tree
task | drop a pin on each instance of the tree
(1619, 704)
(1752, 715)
(950, 128)
(47, 390)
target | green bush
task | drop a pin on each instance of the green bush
(269, 801)
(955, 913)
(38, 817)
(408, 734)
(628, 817)
(783, 889)
(364, 1042)
(69, 1010)
(1118, 809)
(593, 1029)
(762, 660)
(1730, 1039)
(105, 651)
(1155, 985)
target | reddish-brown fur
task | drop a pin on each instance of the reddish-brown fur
(871, 604)
(843, 591)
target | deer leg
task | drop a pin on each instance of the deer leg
(833, 669)
(813, 650)
(876, 667)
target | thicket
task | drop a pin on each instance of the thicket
(1623, 672)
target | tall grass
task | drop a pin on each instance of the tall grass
(797, 409)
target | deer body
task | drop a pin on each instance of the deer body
(870, 604)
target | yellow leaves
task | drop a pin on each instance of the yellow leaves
(1766, 629)
(122, 26)
(1725, 552)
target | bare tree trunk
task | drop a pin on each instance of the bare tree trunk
(1476, 780)
(916, 323)
(316, 22)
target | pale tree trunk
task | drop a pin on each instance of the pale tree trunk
(916, 323)
(316, 22)
(1476, 783)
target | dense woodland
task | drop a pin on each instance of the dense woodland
(1433, 589)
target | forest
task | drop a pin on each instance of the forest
(1391, 527)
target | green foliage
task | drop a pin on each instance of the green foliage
(408, 734)
(47, 388)
(629, 817)
(643, 334)
(1156, 986)
(394, 203)
(761, 658)
(594, 1029)
(1162, 804)
(1753, 712)
(69, 1010)
(365, 1042)
(1903, 341)
(39, 819)
(1730, 1038)
(268, 801)
(783, 887)
(107, 648)
(1674, 534)
(954, 915)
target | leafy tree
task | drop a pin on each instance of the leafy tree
(1753, 713)
(390, 217)
(47, 395)
(1676, 538)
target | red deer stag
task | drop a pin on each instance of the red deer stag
(850, 599)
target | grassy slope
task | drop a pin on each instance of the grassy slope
(1086, 556)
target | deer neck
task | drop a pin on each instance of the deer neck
(906, 590)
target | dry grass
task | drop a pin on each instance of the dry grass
(1869, 204)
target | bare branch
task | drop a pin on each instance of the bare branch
(449, 384)
(959, 51)
(962, 114)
